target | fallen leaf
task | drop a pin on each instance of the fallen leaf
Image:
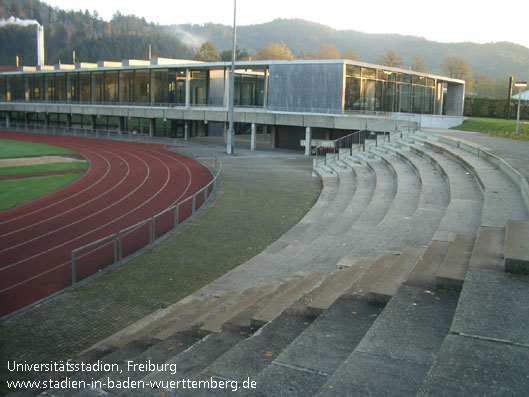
(373, 315)
(242, 333)
(170, 349)
(354, 313)
(269, 354)
(180, 345)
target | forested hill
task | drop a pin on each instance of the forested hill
(497, 60)
(127, 37)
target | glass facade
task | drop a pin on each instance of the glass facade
(379, 90)
(367, 89)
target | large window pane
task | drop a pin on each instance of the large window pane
(199, 88)
(125, 86)
(160, 86)
(177, 87)
(404, 98)
(389, 105)
(19, 91)
(352, 93)
(84, 87)
(370, 101)
(97, 87)
(111, 87)
(3, 96)
(49, 87)
(73, 87)
(141, 86)
(38, 89)
(418, 99)
(29, 85)
(60, 87)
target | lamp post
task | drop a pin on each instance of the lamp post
(231, 136)
(520, 85)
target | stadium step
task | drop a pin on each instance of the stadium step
(396, 352)
(453, 269)
(517, 247)
(489, 330)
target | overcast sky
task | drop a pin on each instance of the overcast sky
(445, 21)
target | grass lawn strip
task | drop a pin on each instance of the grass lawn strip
(42, 168)
(14, 192)
(496, 128)
(12, 149)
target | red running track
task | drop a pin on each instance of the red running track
(125, 184)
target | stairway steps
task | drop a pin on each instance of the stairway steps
(282, 301)
(333, 287)
(252, 355)
(488, 251)
(309, 359)
(190, 317)
(424, 272)
(517, 247)
(372, 274)
(390, 281)
(452, 272)
(248, 298)
(396, 352)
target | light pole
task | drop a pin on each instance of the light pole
(231, 136)
(520, 85)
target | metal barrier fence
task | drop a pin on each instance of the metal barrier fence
(112, 251)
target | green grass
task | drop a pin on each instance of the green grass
(42, 168)
(18, 191)
(15, 149)
(496, 128)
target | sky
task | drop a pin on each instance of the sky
(444, 21)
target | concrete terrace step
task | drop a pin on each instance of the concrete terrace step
(434, 198)
(488, 340)
(517, 247)
(371, 275)
(424, 273)
(465, 196)
(307, 362)
(502, 199)
(390, 281)
(284, 300)
(452, 272)
(398, 349)
(334, 286)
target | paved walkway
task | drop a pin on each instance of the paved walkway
(516, 153)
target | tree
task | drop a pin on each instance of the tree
(240, 55)
(419, 65)
(207, 53)
(392, 59)
(457, 68)
(350, 54)
(327, 51)
(275, 52)
(486, 87)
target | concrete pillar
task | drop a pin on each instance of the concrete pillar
(121, 124)
(188, 88)
(273, 134)
(68, 121)
(225, 127)
(92, 123)
(455, 99)
(253, 137)
(46, 120)
(151, 127)
(26, 119)
(308, 140)
(8, 119)
(186, 130)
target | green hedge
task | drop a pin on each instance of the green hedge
(494, 108)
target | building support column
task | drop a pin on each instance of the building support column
(151, 127)
(308, 141)
(93, 123)
(273, 134)
(26, 119)
(121, 127)
(253, 137)
(46, 120)
(8, 119)
(186, 131)
(225, 132)
(188, 89)
(68, 121)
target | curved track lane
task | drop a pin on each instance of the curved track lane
(125, 184)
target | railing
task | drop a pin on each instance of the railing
(116, 249)
(356, 141)
(119, 247)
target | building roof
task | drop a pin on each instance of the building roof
(524, 94)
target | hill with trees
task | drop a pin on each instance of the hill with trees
(129, 37)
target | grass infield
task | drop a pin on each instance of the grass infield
(15, 149)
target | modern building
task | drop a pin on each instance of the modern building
(290, 100)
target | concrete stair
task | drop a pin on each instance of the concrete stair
(367, 295)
